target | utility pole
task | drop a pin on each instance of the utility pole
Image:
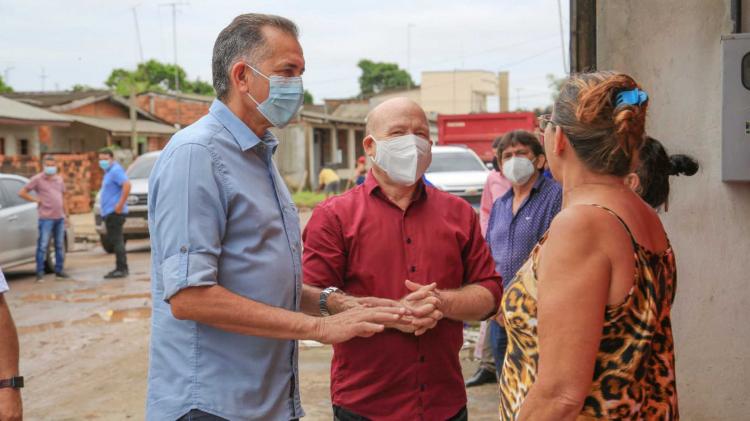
(562, 37)
(408, 53)
(174, 6)
(518, 99)
(43, 77)
(6, 74)
(138, 34)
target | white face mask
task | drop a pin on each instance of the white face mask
(518, 170)
(404, 158)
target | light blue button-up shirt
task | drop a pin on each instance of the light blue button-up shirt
(219, 213)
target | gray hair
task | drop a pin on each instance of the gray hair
(243, 39)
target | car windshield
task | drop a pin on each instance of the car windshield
(455, 161)
(141, 167)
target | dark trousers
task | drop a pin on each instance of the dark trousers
(342, 414)
(50, 228)
(114, 223)
(499, 340)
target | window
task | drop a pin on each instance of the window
(455, 161)
(2, 146)
(12, 187)
(23, 147)
(746, 71)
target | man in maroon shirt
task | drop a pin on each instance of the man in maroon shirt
(395, 241)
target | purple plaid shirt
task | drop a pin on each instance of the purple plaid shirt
(512, 237)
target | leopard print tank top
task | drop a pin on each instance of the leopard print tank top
(634, 375)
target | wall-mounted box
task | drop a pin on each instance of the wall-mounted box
(735, 110)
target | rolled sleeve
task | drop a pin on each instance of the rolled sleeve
(479, 265)
(324, 256)
(3, 283)
(190, 218)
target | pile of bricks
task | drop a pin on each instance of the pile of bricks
(25, 166)
(76, 170)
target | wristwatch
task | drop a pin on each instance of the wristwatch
(323, 302)
(15, 382)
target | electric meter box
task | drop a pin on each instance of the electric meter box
(735, 111)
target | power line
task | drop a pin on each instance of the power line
(138, 33)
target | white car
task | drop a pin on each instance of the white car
(19, 227)
(458, 170)
(136, 221)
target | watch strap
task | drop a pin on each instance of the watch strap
(323, 302)
(15, 382)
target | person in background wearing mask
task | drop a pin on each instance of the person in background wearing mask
(113, 199)
(495, 186)
(225, 245)
(395, 241)
(49, 188)
(521, 216)
(10, 382)
(651, 179)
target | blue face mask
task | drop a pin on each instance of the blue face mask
(285, 96)
(104, 164)
(50, 170)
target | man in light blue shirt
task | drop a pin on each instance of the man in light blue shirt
(226, 275)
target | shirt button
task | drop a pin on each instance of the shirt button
(183, 249)
(408, 241)
(421, 358)
(413, 268)
(421, 388)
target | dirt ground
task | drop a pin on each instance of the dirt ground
(84, 344)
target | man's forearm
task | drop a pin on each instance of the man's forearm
(216, 306)
(26, 196)
(124, 195)
(472, 302)
(8, 342)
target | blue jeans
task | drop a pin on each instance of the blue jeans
(47, 228)
(499, 340)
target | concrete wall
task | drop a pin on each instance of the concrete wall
(13, 135)
(672, 47)
(457, 92)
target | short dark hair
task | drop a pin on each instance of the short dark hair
(656, 166)
(49, 158)
(107, 151)
(519, 137)
(243, 39)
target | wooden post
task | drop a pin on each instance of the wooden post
(582, 35)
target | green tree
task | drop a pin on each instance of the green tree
(308, 97)
(80, 88)
(379, 76)
(155, 76)
(4, 88)
(555, 84)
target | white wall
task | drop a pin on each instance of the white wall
(13, 135)
(672, 47)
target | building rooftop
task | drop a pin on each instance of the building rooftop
(16, 112)
(49, 99)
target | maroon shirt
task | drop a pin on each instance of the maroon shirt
(364, 244)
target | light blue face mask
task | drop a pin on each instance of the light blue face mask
(285, 96)
(50, 170)
(104, 164)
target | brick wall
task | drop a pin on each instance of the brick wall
(25, 166)
(165, 107)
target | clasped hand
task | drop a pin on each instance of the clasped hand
(423, 308)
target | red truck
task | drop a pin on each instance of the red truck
(477, 131)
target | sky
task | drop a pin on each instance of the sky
(81, 41)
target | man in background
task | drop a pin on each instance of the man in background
(328, 181)
(49, 189)
(114, 195)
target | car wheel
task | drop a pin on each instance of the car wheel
(106, 244)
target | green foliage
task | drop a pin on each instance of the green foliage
(4, 88)
(555, 85)
(81, 88)
(308, 97)
(155, 76)
(379, 76)
(308, 199)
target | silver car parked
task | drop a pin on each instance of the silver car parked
(19, 228)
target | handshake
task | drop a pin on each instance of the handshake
(420, 309)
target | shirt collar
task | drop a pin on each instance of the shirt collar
(371, 186)
(245, 137)
(540, 180)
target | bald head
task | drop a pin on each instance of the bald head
(397, 117)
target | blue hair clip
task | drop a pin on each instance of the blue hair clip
(633, 97)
